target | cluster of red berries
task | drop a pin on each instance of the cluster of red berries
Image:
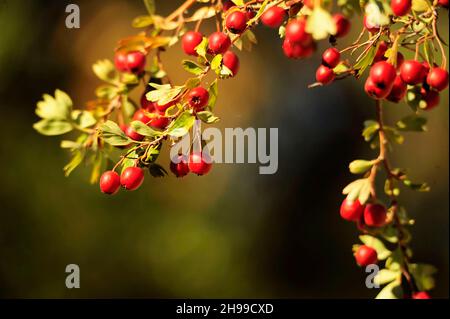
(330, 59)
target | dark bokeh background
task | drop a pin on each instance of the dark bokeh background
(233, 233)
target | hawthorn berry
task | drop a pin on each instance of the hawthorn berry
(375, 91)
(231, 61)
(164, 107)
(227, 5)
(190, 41)
(199, 163)
(443, 3)
(421, 295)
(431, 98)
(146, 104)
(331, 57)
(342, 25)
(109, 182)
(398, 90)
(401, 7)
(198, 98)
(273, 17)
(141, 116)
(400, 60)
(236, 22)
(412, 72)
(351, 210)
(382, 48)
(375, 215)
(133, 61)
(366, 256)
(132, 178)
(250, 13)
(324, 75)
(158, 120)
(383, 74)
(135, 136)
(219, 43)
(181, 167)
(370, 27)
(437, 79)
(296, 31)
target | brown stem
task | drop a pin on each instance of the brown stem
(186, 5)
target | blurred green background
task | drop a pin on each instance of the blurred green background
(232, 233)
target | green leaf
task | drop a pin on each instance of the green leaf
(375, 243)
(97, 163)
(320, 24)
(423, 275)
(207, 117)
(360, 166)
(55, 108)
(83, 119)
(142, 21)
(393, 135)
(420, 187)
(366, 60)
(385, 276)
(106, 92)
(413, 123)
(143, 129)
(129, 161)
(51, 127)
(77, 159)
(258, 15)
(394, 261)
(164, 93)
(420, 5)
(359, 189)
(113, 135)
(192, 67)
(216, 62)
(128, 106)
(202, 48)
(105, 70)
(213, 91)
(150, 6)
(370, 129)
(391, 291)
(390, 234)
(157, 170)
(182, 125)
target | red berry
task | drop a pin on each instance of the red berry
(351, 210)
(412, 72)
(146, 104)
(199, 163)
(159, 121)
(383, 74)
(236, 22)
(370, 27)
(164, 107)
(437, 79)
(141, 116)
(132, 178)
(181, 167)
(443, 3)
(401, 7)
(431, 97)
(366, 256)
(198, 98)
(133, 61)
(324, 75)
(295, 31)
(109, 182)
(398, 90)
(219, 43)
(421, 295)
(331, 57)
(273, 17)
(190, 41)
(133, 134)
(374, 91)
(342, 25)
(231, 61)
(375, 215)
(227, 5)
(250, 13)
(400, 60)
(382, 48)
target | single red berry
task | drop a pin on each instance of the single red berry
(180, 166)
(369, 26)
(219, 43)
(443, 3)
(382, 48)
(375, 215)
(431, 97)
(109, 182)
(437, 79)
(342, 25)
(366, 256)
(401, 7)
(412, 72)
(296, 31)
(199, 163)
(351, 210)
(250, 13)
(227, 5)
(374, 91)
(324, 75)
(421, 295)
(273, 17)
(146, 104)
(236, 22)
(133, 61)
(159, 121)
(231, 61)
(198, 98)
(293, 50)
(331, 57)
(398, 90)
(133, 134)
(190, 41)
(132, 178)
(164, 107)
(141, 116)
(383, 74)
